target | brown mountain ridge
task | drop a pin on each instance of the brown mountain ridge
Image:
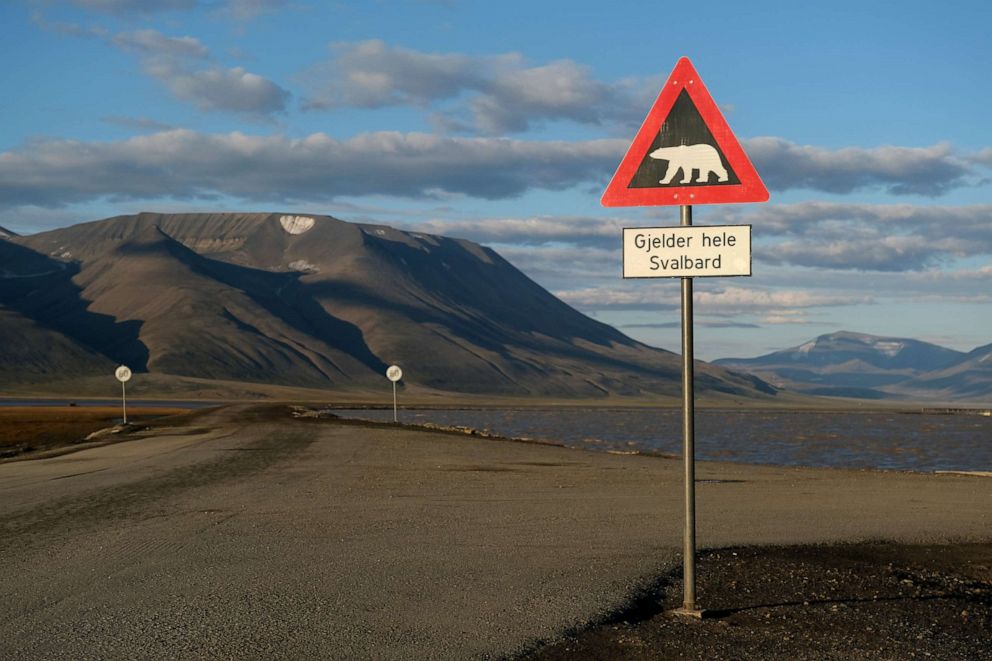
(308, 301)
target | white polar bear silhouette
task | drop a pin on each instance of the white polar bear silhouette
(701, 157)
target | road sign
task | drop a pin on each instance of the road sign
(394, 374)
(687, 252)
(123, 374)
(684, 153)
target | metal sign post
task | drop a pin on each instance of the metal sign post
(123, 374)
(688, 443)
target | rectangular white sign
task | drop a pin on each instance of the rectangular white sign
(686, 251)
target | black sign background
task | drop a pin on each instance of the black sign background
(683, 126)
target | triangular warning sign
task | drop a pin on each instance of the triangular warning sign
(684, 153)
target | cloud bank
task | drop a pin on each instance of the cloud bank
(929, 171)
(134, 6)
(184, 164)
(863, 237)
(725, 301)
(177, 62)
(494, 94)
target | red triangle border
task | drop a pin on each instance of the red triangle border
(750, 188)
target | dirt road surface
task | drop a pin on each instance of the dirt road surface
(246, 533)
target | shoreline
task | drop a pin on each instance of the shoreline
(97, 437)
(482, 433)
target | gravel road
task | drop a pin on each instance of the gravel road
(250, 534)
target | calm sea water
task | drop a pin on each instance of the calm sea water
(898, 441)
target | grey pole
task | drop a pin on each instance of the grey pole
(394, 402)
(688, 443)
(124, 401)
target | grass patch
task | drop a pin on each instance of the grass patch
(25, 429)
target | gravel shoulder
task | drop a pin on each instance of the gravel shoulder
(248, 533)
(841, 601)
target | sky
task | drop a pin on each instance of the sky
(503, 123)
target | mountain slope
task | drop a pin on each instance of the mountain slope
(971, 377)
(846, 364)
(37, 353)
(312, 300)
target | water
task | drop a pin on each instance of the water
(886, 440)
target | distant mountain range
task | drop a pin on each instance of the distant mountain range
(307, 301)
(846, 364)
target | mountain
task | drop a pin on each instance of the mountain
(309, 301)
(971, 377)
(847, 364)
(6, 233)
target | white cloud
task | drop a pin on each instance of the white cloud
(868, 253)
(726, 301)
(517, 96)
(154, 43)
(241, 10)
(371, 74)
(134, 6)
(137, 123)
(170, 60)
(574, 230)
(868, 237)
(493, 94)
(787, 317)
(563, 266)
(246, 10)
(929, 171)
(984, 157)
(67, 28)
(184, 164)
(318, 167)
(813, 234)
(212, 89)
(235, 90)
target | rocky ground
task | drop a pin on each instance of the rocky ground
(864, 601)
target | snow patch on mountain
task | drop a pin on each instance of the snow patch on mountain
(889, 348)
(296, 224)
(303, 266)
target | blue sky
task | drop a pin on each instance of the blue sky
(503, 123)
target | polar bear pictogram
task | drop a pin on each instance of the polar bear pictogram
(702, 158)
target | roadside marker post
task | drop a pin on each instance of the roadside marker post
(685, 154)
(123, 374)
(394, 374)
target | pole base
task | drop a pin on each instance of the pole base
(688, 611)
